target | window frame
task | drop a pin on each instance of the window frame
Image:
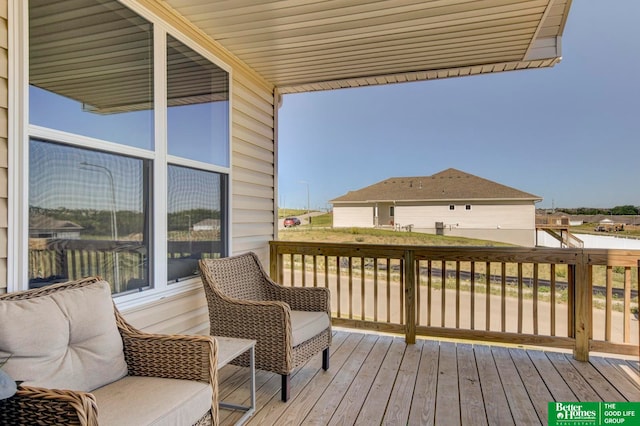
(20, 131)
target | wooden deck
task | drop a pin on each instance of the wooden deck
(378, 379)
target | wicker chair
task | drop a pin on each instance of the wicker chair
(245, 303)
(153, 355)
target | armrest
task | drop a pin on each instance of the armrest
(33, 405)
(316, 299)
(250, 319)
(171, 356)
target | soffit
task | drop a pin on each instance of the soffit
(306, 45)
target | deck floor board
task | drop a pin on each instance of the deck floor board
(378, 379)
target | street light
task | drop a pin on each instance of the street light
(308, 211)
(114, 224)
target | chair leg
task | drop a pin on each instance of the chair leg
(286, 387)
(325, 359)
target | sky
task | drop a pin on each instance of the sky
(569, 134)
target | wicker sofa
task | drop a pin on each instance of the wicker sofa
(81, 363)
(290, 325)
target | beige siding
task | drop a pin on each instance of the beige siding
(481, 216)
(507, 223)
(252, 184)
(4, 134)
(182, 314)
(359, 216)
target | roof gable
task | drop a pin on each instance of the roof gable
(447, 185)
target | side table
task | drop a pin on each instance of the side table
(229, 348)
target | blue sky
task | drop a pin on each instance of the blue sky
(570, 134)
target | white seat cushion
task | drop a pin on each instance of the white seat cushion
(306, 325)
(65, 340)
(154, 401)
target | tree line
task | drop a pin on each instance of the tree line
(98, 222)
(618, 210)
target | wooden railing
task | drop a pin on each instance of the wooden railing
(580, 299)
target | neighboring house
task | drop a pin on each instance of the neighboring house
(207, 225)
(451, 202)
(41, 226)
(149, 108)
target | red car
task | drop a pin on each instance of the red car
(291, 221)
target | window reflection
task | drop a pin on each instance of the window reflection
(87, 216)
(198, 104)
(91, 70)
(196, 219)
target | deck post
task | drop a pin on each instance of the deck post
(410, 296)
(274, 259)
(582, 308)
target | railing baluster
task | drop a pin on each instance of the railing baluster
(350, 287)
(402, 289)
(388, 290)
(487, 326)
(410, 289)
(503, 296)
(627, 304)
(458, 294)
(520, 297)
(473, 295)
(293, 270)
(535, 298)
(443, 291)
(375, 289)
(362, 289)
(429, 289)
(552, 293)
(418, 291)
(338, 286)
(608, 304)
(304, 270)
(315, 271)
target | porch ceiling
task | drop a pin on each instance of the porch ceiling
(307, 45)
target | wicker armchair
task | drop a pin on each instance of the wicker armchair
(290, 325)
(192, 358)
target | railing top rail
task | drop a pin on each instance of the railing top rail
(567, 256)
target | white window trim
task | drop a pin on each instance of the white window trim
(20, 131)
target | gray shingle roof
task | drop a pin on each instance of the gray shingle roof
(450, 184)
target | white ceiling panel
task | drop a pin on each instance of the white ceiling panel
(306, 45)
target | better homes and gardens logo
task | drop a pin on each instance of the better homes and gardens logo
(593, 413)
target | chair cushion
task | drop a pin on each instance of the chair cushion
(154, 401)
(305, 325)
(65, 340)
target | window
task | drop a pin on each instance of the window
(391, 211)
(467, 207)
(117, 186)
(87, 216)
(195, 219)
(452, 207)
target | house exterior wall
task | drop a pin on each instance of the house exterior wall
(252, 180)
(252, 188)
(508, 222)
(500, 221)
(345, 216)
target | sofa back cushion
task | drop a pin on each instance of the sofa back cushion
(63, 340)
